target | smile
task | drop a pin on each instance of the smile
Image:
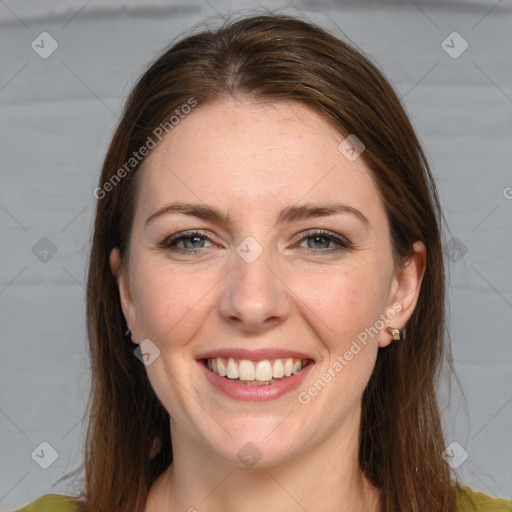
(255, 373)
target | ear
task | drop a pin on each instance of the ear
(404, 292)
(121, 274)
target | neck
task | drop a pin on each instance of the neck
(324, 478)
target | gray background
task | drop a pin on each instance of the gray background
(58, 114)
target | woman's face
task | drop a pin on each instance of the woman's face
(276, 279)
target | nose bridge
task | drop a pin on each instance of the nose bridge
(254, 296)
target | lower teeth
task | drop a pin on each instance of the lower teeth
(258, 382)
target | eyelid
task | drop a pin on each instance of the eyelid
(322, 232)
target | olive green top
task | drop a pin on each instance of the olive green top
(467, 501)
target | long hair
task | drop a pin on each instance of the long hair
(271, 58)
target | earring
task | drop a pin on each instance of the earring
(394, 332)
(128, 334)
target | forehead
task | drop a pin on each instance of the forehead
(247, 154)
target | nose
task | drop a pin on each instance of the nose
(255, 297)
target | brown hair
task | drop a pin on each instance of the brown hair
(268, 58)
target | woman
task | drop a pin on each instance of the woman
(266, 289)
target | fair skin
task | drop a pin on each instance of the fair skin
(251, 160)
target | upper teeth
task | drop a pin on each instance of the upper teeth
(244, 369)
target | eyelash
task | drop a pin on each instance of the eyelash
(169, 243)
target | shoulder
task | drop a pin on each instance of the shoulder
(52, 503)
(472, 501)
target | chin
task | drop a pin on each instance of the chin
(251, 447)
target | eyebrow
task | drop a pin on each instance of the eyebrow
(289, 214)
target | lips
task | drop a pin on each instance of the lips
(255, 374)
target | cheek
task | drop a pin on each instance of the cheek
(169, 301)
(344, 302)
(171, 306)
(343, 313)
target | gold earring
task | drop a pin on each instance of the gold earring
(394, 332)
